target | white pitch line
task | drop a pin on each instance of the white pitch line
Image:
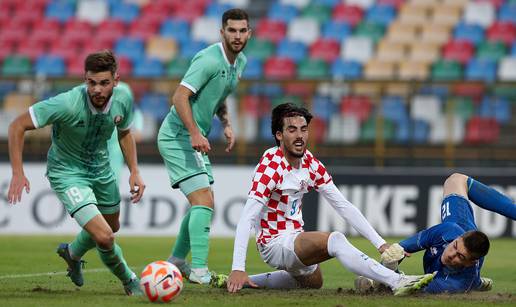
(48, 274)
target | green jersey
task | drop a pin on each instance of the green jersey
(80, 131)
(211, 78)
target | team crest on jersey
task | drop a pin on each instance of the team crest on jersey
(433, 250)
(118, 119)
(304, 185)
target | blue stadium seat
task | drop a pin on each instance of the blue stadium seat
(254, 69)
(336, 30)
(420, 131)
(481, 69)
(381, 14)
(496, 107)
(323, 107)
(190, 48)
(296, 51)
(438, 90)
(513, 49)
(507, 12)
(330, 3)
(176, 29)
(131, 47)
(126, 12)
(265, 128)
(50, 65)
(345, 70)
(393, 108)
(272, 90)
(281, 12)
(5, 88)
(470, 32)
(216, 10)
(60, 10)
(148, 68)
(402, 131)
(155, 104)
(216, 131)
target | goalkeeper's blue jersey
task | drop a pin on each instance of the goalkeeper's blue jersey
(434, 240)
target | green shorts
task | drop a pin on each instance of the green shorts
(181, 160)
(78, 192)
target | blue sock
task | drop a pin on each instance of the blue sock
(490, 199)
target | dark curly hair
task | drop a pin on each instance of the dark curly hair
(101, 61)
(286, 110)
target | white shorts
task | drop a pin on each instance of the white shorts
(279, 253)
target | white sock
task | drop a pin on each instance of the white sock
(275, 280)
(359, 263)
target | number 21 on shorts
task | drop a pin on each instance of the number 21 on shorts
(75, 195)
(445, 210)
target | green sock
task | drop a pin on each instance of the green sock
(114, 260)
(81, 244)
(199, 228)
(182, 245)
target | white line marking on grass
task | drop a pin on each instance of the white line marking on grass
(49, 274)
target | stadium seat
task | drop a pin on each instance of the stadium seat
(296, 51)
(163, 49)
(265, 128)
(379, 70)
(346, 70)
(31, 48)
(504, 31)
(395, 3)
(507, 12)
(178, 67)
(6, 118)
(27, 16)
(470, 32)
(157, 11)
(401, 33)
(442, 129)
(473, 90)
(190, 48)
(295, 3)
(479, 13)
(190, 11)
(125, 67)
(413, 70)
(446, 70)
(6, 87)
(424, 52)
(316, 11)
(481, 69)
(369, 130)
(323, 107)
(433, 33)
(363, 4)
(494, 51)
(18, 103)
(206, 29)
(425, 107)
(216, 10)
(285, 13)
(318, 129)
(155, 105)
(420, 131)
(345, 129)
(335, 30)
(497, 108)
(358, 49)
(381, 14)
(92, 11)
(124, 11)
(253, 70)
(390, 51)
(352, 15)
(60, 10)
(507, 69)
(413, 15)
(356, 106)
(325, 49)
(50, 65)
(505, 91)
(216, 130)
(482, 130)
(272, 30)
(142, 28)
(460, 51)
(303, 30)
(259, 48)
(176, 29)
(372, 30)
(402, 131)
(279, 68)
(130, 47)
(312, 69)
(461, 106)
(300, 88)
(446, 15)
(148, 68)
(393, 108)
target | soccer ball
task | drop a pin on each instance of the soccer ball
(161, 281)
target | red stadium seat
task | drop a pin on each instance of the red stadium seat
(325, 49)
(189, 10)
(109, 31)
(31, 48)
(482, 130)
(273, 30)
(358, 106)
(348, 13)
(458, 50)
(125, 67)
(301, 89)
(318, 128)
(143, 28)
(502, 31)
(64, 50)
(6, 48)
(75, 67)
(157, 11)
(395, 3)
(279, 68)
(28, 17)
(73, 26)
(473, 90)
(13, 36)
(30, 5)
(250, 104)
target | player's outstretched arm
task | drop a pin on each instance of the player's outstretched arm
(16, 139)
(237, 280)
(128, 146)
(184, 110)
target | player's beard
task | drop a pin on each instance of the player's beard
(292, 152)
(231, 47)
(99, 103)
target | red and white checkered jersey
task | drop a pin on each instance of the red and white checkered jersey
(281, 188)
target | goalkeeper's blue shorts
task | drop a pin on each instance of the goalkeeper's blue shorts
(456, 209)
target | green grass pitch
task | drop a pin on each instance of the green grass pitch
(31, 274)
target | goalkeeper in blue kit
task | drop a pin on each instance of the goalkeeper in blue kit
(455, 249)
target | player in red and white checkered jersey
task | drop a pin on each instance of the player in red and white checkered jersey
(285, 173)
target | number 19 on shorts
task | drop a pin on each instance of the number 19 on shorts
(74, 194)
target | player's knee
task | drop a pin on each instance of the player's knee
(313, 281)
(105, 239)
(456, 178)
(115, 226)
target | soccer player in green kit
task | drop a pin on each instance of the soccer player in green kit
(182, 140)
(78, 167)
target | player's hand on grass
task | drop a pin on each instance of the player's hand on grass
(230, 138)
(18, 182)
(237, 279)
(137, 186)
(200, 143)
